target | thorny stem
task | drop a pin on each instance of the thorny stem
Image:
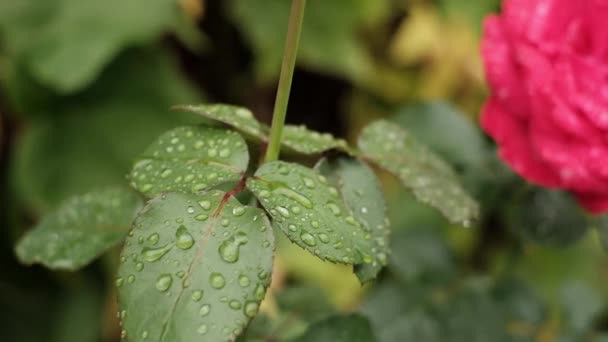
(289, 61)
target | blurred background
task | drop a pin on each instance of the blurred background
(86, 85)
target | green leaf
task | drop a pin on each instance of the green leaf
(195, 267)
(547, 216)
(351, 328)
(86, 141)
(362, 194)
(83, 309)
(238, 118)
(306, 303)
(601, 223)
(445, 130)
(421, 256)
(66, 43)
(311, 212)
(190, 159)
(581, 305)
(302, 140)
(430, 179)
(80, 230)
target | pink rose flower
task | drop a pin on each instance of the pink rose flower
(547, 65)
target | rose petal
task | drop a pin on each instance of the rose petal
(514, 146)
(595, 204)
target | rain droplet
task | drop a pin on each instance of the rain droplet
(308, 239)
(190, 210)
(166, 173)
(183, 239)
(153, 238)
(334, 209)
(238, 211)
(205, 204)
(163, 283)
(197, 295)
(309, 183)
(244, 280)
(217, 280)
(119, 282)
(202, 329)
(154, 254)
(204, 311)
(144, 334)
(259, 292)
(323, 237)
(251, 309)
(295, 196)
(139, 266)
(314, 224)
(235, 304)
(201, 217)
(229, 249)
(283, 211)
(292, 228)
(225, 153)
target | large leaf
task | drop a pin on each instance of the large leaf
(430, 179)
(194, 268)
(330, 39)
(90, 140)
(352, 328)
(238, 118)
(362, 194)
(66, 43)
(80, 230)
(311, 212)
(190, 159)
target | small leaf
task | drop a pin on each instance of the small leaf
(431, 180)
(302, 140)
(351, 328)
(196, 267)
(238, 118)
(189, 160)
(547, 217)
(363, 196)
(311, 212)
(80, 230)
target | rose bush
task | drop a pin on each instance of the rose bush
(547, 65)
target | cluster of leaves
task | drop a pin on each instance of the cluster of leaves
(197, 261)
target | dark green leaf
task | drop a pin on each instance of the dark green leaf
(90, 140)
(581, 304)
(82, 309)
(311, 212)
(601, 223)
(80, 230)
(66, 43)
(302, 140)
(238, 118)
(547, 216)
(195, 267)
(352, 328)
(190, 159)
(431, 180)
(421, 256)
(307, 303)
(362, 194)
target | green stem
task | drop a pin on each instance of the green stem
(289, 62)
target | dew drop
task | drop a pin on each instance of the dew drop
(190, 210)
(235, 304)
(295, 196)
(308, 239)
(225, 153)
(334, 209)
(292, 228)
(183, 239)
(119, 282)
(139, 266)
(251, 309)
(323, 238)
(205, 309)
(217, 280)
(163, 283)
(205, 204)
(153, 238)
(202, 329)
(259, 292)
(154, 254)
(229, 249)
(309, 183)
(201, 217)
(238, 211)
(283, 211)
(166, 173)
(244, 280)
(197, 295)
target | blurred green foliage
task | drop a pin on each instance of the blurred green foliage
(86, 86)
